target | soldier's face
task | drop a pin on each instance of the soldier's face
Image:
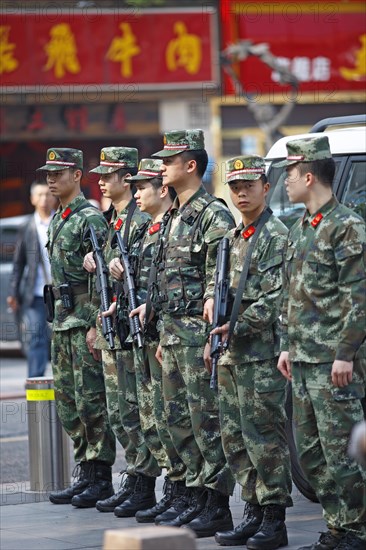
(61, 183)
(175, 170)
(110, 185)
(249, 196)
(148, 198)
(295, 184)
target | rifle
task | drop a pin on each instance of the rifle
(220, 305)
(130, 291)
(102, 287)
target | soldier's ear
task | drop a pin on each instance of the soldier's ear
(164, 190)
(191, 165)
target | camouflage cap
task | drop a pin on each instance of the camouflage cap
(247, 167)
(63, 158)
(148, 169)
(306, 150)
(114, 158)
(177, 141)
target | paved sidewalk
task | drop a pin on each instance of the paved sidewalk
(45, 526)
(30, 522)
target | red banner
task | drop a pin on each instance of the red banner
(322, 43)
(152, 50)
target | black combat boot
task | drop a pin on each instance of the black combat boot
(149, 515)
(351, 542)
(327, 541)
(197, 497)
(215, 515)
(81, 475)
(253, 514)
(126, 489)
(100, 487)
(272, 532)
(143, 497)
(179, 503)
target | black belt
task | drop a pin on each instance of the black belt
(76, 290)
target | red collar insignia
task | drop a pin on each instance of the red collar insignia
(118, 224)
(154, 228)
(66, 213)
(249, 232)
(318, 218)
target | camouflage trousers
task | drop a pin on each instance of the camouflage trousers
(192, 411)
(80, 397)
(252, 417)
(109, 362)
(324, 416)
(152, 413)
(145, 462)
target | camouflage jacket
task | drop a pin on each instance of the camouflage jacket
(257, 330)
(118, 220)
(324, 305)
(189, 246)
(67, 257)
(142, 252)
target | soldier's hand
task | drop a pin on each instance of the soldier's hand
(207, 358)
(111, 311)
(91, 337)
(208, 310)
(224, 331)
(141, 312)
(12, 303)
(284, 365)
(116, 269)
(159, 355)
(89, 263)
(342, 373)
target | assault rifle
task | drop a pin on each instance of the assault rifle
(102, 287)
(129, 291)
(220, 306)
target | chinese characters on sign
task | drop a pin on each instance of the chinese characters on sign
(160, 49)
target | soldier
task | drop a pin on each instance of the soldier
(252, 393)
(78, 374)
(323, 349)
(116, 165)
(186, 259)
(155, 198)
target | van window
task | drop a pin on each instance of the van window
(354, 195)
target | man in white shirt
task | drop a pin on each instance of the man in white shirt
(31, 271)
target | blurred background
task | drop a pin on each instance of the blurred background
(88, 74)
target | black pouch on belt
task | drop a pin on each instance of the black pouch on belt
(49, 301)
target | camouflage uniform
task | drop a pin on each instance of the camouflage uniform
(323, 317)
(189, 246)
(78, 378)
(118, 364)
(251, 389)
(148, 369)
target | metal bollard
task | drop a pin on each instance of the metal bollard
(48, 442)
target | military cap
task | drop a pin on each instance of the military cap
(114, 158)
(148, 169)
(306, 150)
(178, 141)
(63, 158)
(247, 167)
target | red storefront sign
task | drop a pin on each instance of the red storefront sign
(165, 49)
(322, 43)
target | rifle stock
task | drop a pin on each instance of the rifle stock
(220, 305)
(102, 287)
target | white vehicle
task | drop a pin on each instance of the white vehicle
(347, 139)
